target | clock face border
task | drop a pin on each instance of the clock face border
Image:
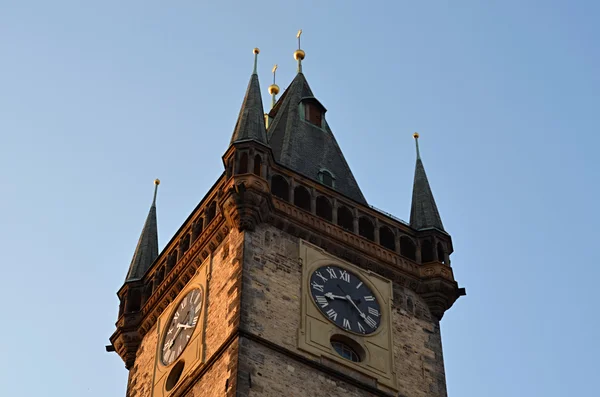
(168, 325)
(316, 332)
(348, 281)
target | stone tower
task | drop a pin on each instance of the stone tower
(284, 281)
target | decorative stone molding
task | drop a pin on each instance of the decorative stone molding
(246, 202)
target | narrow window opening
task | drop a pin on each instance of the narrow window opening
(211, 212)
(243, 165)
(440, 253)
(185, 244)
(427, 251)
(407, 248)
(280, 187)
(387, 238)
(366, 229)
(134, 301)
(324, 209)
(257, 165)
(172, 260)
(197, 229)
(345, 218)
(302, 198)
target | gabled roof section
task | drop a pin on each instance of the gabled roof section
(146, 251)
(423, 212)
(305, 147)
(251, 120)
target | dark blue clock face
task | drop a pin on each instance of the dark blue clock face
(345, 299)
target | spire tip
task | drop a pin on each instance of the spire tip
(255, 51)
(416, 136)
(299, 54)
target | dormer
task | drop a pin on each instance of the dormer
(312, 111)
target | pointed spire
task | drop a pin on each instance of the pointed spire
(299, 54)
(251, 120)
(146, 251)
(305, 147)
(423, 212)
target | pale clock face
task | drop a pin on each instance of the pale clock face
(345, 299)
(181, 326)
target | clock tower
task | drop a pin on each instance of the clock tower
(284, 281)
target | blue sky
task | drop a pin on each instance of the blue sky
(99, 98)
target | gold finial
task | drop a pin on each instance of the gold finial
(273, 88)
(416, 136)
(156, 183)
(299, 54)
(256, 51)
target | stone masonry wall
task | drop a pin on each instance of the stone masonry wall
(224, 286)
(271, 310)
(273, 374)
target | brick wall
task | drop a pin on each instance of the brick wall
(222, 318)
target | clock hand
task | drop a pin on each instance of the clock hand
(172, 341)
(186, 326)
(349, 299)
(192, 312)
(332, 296)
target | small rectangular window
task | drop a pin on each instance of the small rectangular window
(312, 114)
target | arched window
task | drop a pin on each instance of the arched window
(365, 228)
(326, 178)
(345, 218)
(197, 229)
(280, 187)
(160, 275)
(302, 198)
(184, 245)
(427, 251)
(257, 165)
(387, 238)
(440, 253)
(134, 302)
(243, 165)
(229, 167)
(324, 208)
(147, 292)
(172, 260)
(211, 212)
(407, 248)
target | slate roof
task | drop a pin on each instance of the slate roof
(423, 212)
(303, 146)
(146, 251)
(251, 120)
